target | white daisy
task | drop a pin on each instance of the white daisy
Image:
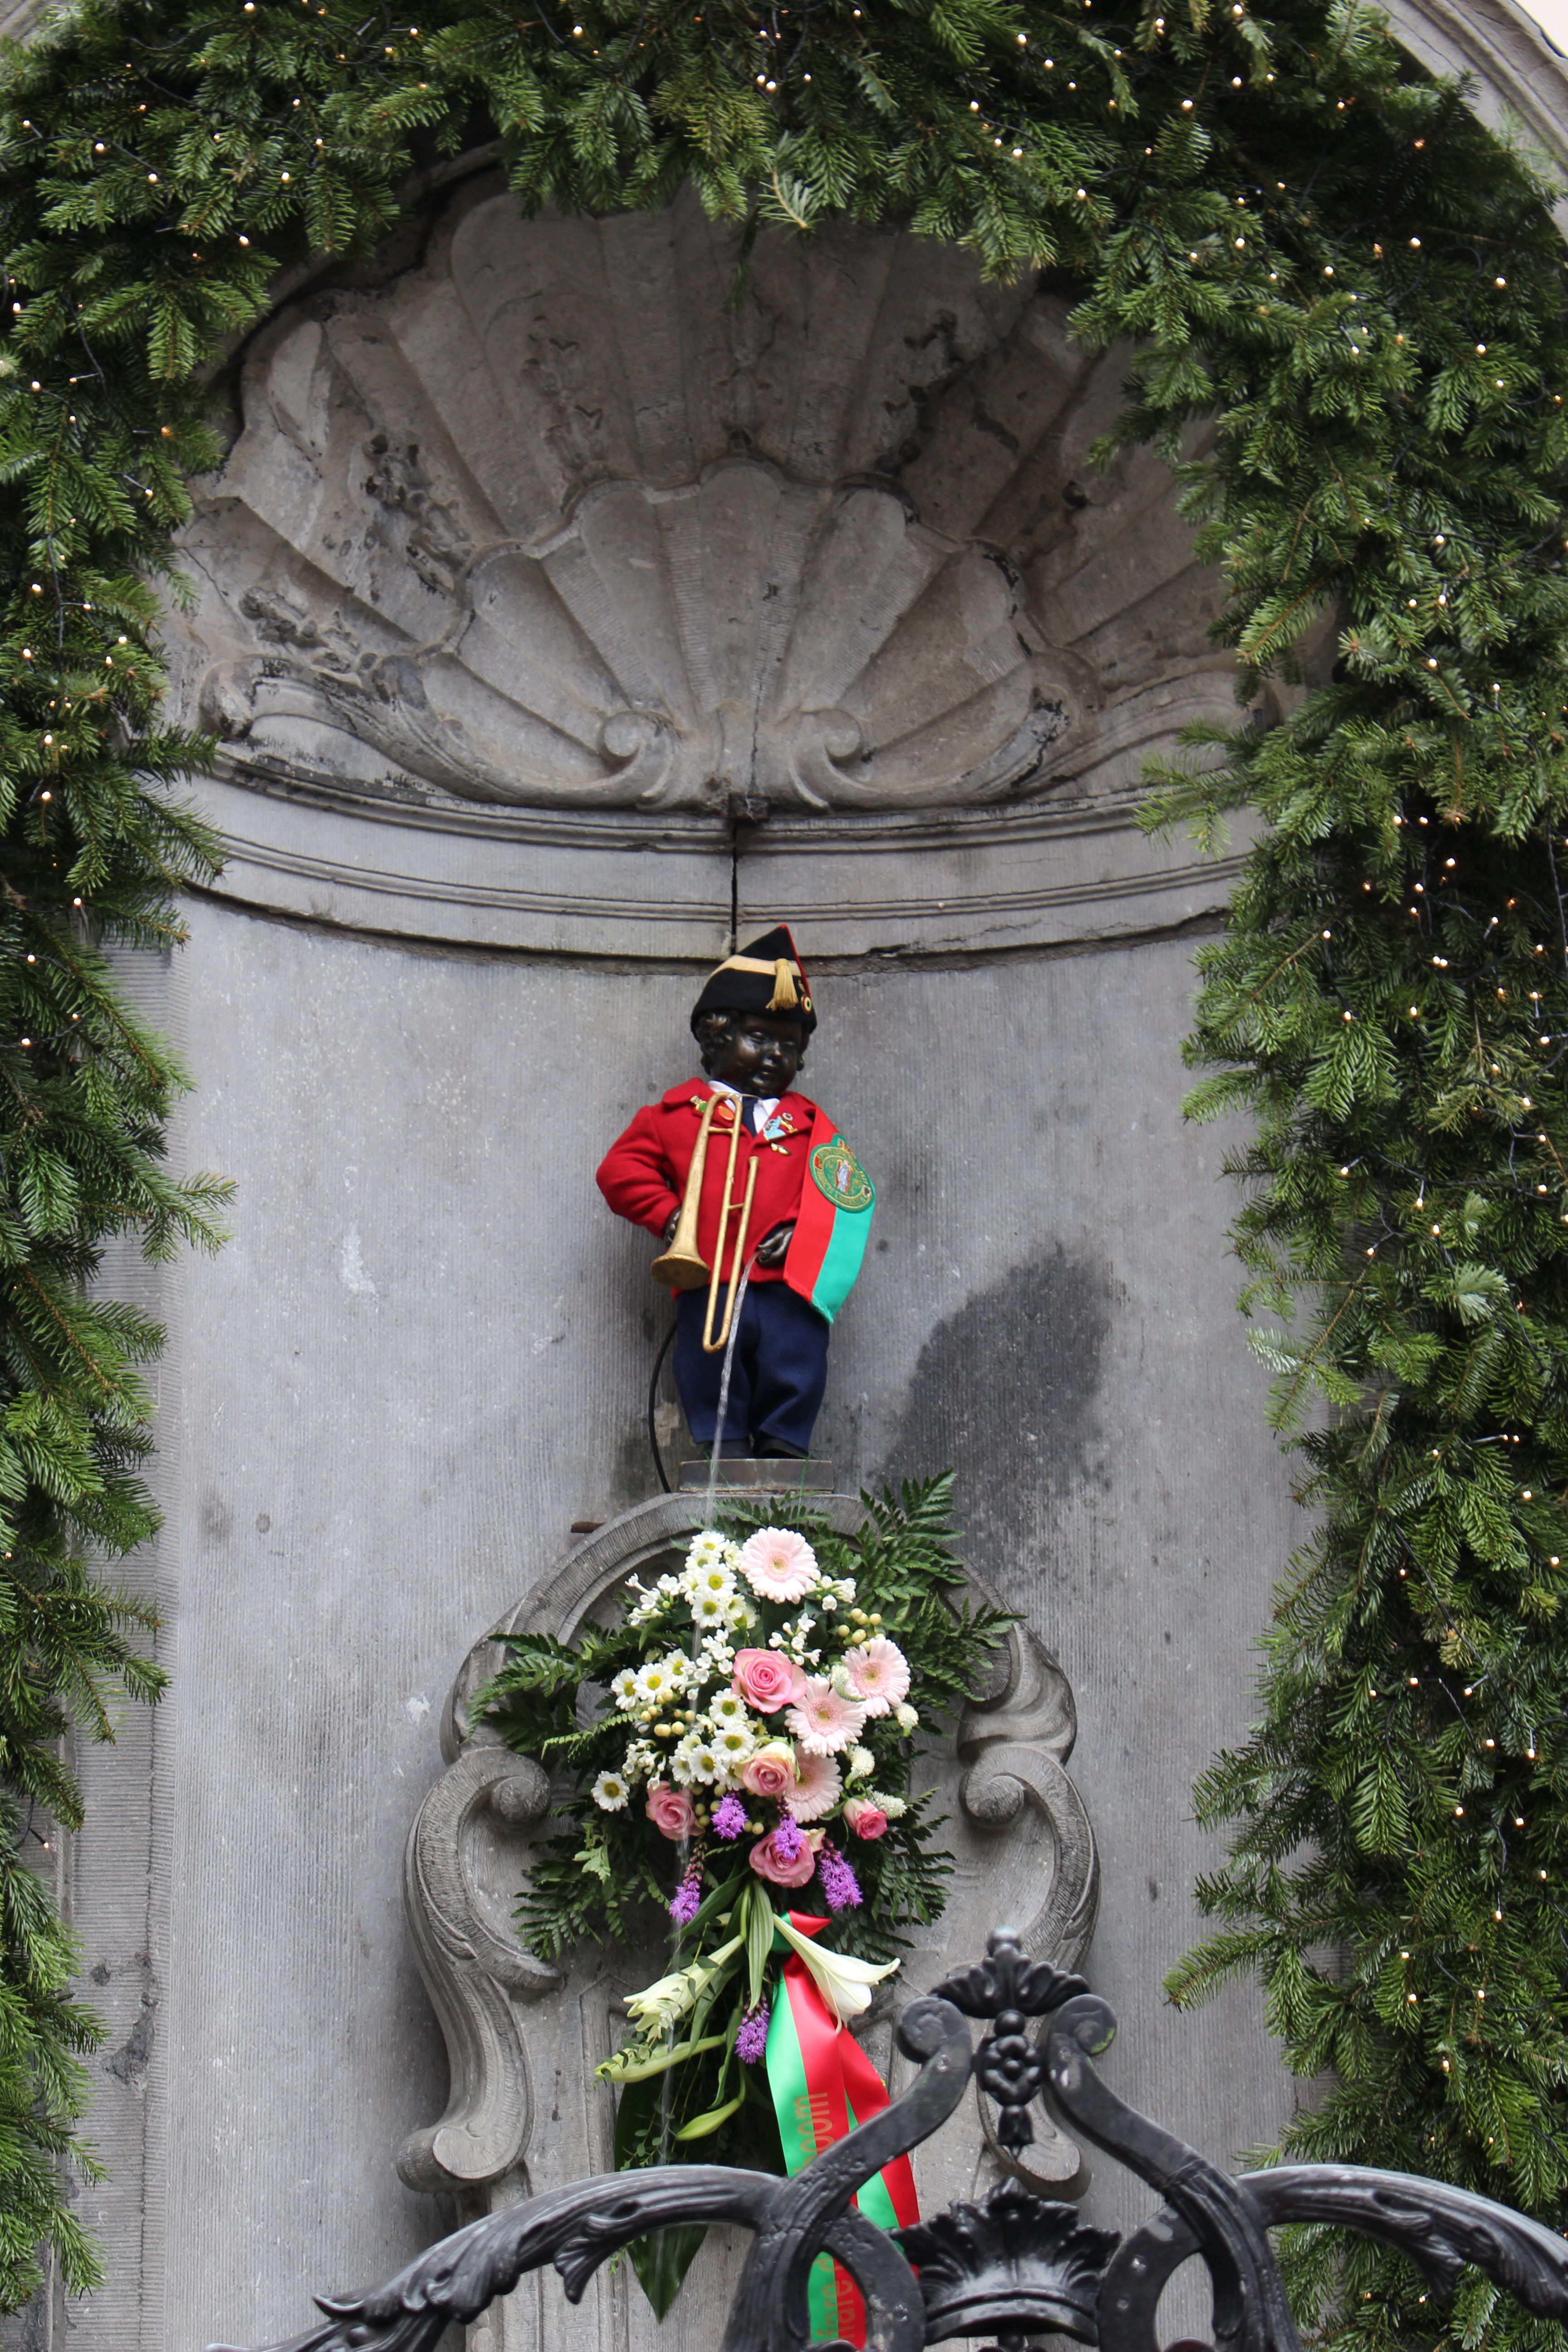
(707, 1576)
(708, 1549)
(709, 1609)
(728, 1708)
(639, 1761)
(733, 1743)
(660, 1679)
(695, 1759)
(611, 1792)
(624, 1689)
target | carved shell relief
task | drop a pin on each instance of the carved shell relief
(546, 523)
(668, 648)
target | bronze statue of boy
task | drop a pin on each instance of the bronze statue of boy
(759, 1201)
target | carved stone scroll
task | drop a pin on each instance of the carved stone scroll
(475, 1971)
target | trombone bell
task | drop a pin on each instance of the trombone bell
(680, 1269)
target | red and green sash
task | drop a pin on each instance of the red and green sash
(823, 2085)
(832, 1222)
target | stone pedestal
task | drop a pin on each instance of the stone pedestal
(746, 1476)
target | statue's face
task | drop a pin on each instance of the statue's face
(759, 1056)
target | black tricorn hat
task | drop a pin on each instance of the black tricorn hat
(765, 977)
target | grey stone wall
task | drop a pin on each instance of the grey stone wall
(429, 995)
(425, 1353)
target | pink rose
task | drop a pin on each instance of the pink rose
(766, 1680)
(771, 1771)
(672, 1811)
(865, 1819)
(769, 1863)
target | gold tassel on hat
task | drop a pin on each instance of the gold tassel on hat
(783, 998)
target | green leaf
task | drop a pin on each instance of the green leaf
(661, 2263)
(759, 1941)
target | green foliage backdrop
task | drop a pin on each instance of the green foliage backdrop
(1348, 300)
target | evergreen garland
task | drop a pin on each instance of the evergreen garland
(84, 1092)
(1348, 301)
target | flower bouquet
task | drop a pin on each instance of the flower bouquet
(737, 1755)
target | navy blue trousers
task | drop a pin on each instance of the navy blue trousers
(779, 1372)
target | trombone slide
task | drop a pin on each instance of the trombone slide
(711, 1345)
(682, 1266)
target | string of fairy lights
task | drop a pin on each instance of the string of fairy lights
(1288, 238)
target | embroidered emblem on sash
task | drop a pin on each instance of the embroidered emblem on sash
(839, 1174)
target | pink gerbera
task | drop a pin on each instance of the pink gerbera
(817, 1788)
(778, 1564)
(826, 1721)
(878, 1673)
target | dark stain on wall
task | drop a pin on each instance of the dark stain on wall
(1006, 1393)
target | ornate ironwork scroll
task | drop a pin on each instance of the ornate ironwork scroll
(1012, 2262)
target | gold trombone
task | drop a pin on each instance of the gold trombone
(681, 1266)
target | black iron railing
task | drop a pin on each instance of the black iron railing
(1012, 2262)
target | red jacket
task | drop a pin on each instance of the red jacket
(642, 1175)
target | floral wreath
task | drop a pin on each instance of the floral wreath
(754, 1711)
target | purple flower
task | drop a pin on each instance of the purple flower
(752, 2038)
(687, 1900)
(729, 1818)
(787, 1839)
(840, 1887)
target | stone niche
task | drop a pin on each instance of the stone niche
(536, 573)
(549, 606)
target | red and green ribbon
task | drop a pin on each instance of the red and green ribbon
(823, 2085)
(832, 1222)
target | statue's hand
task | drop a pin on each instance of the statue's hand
(771, 1247)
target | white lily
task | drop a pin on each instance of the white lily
(658, 2005)
(844, 1983)
(662, 2004)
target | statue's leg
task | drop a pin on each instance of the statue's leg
(698, 1375)
(791, 1370)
